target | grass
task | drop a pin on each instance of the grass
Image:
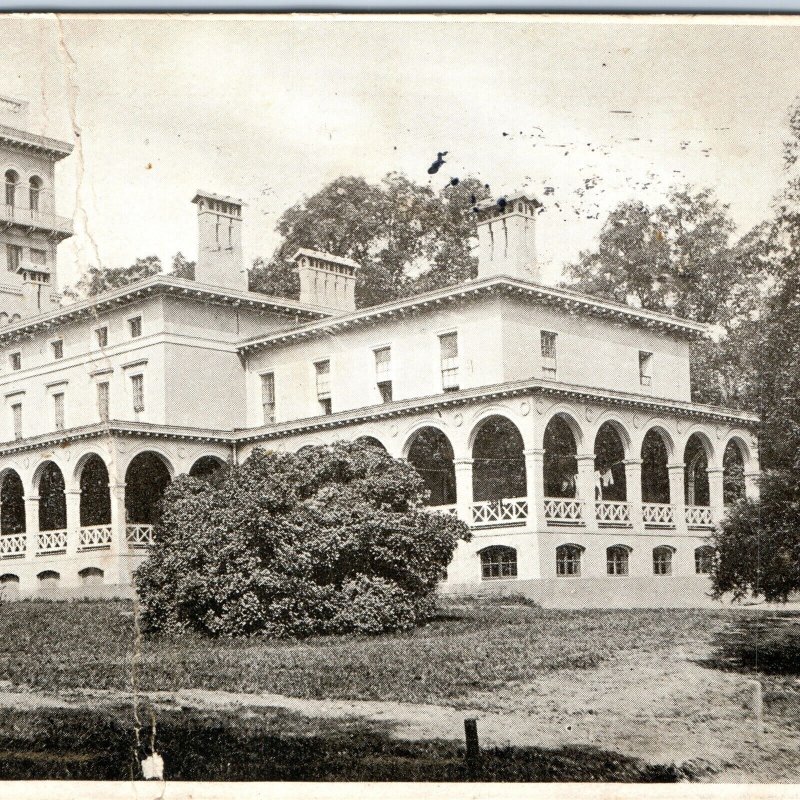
(206, 747)
(471, 646)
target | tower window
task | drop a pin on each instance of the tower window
(645, 368)
(548, 341)
(16, 414)
(323, 370)
(448, 346)
(34, 190)
(137, 389)
(13, 257)
(135, 325)
(58, 349)
(12, 179)
(38, 257)
(58, 410)
(268, 397)
(103, 398)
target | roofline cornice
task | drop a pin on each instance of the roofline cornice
(565, 298)
(26, 141)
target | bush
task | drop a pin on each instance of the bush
(330, 539)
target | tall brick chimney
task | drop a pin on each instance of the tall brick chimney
(326, 280)
(219, 252)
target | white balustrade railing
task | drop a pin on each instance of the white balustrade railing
(658, 515)
(12, 545)
(139, 535)
(51, 541)
(442, 510)
(613, 513)
(95, 537)
(699, 517)
(563, 511)
(508, 511)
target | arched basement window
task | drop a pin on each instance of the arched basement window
(662, 560)
(703, 559)
(617, 558)
(568, 560)
(9, 587)
(48, 579)
(91, 576)
(498, 562)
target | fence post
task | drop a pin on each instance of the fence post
(473, 748)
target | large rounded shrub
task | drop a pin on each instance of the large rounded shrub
(329, 539)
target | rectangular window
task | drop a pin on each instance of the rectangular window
(548, 348)
(103, 401)
(323, 369)
(16, 361)
(101, 336)
(136, 326)
(13, 257)
(268, 397)
(137, 388)
(16, 413)
(645, 368)
(58, 349)
(383, 373)
(448, 346)
(38, 257)
(58, 410)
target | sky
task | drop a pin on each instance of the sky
(584, 113)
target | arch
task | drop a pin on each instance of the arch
(498, 562)
(704, 559)
(206, 467)
(431, 454)
(566, 415)
(91, 576)
(95, 498)
(146, 479)
(696, 456)
(52, 499)
(662, 559)
(9, 586)
(12, 503)
(371, 441)
(618, 559)
(568, 560)
(560, 467)
(733, 488)
(498, 460)
(12, 181)
(49, 579)
(35, 186)
(610, 452)
(746, 453)
(655, 453)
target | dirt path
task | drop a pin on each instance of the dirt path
(662, 710)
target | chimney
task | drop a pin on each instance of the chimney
(507, 237)
(13, 112)
(219, 255)
(37, 293)
(326, 280)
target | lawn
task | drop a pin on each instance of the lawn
(470, 647)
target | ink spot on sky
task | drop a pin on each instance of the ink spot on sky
(434, 168)
(454, 181)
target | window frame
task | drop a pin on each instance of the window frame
(135, 326)
(548, 349)
(270, 374)
(17, 420)
(506, 569)
(18, 257)
(57, 349)
(323, 387)
(103, 401)
(645, 368)
(137, 393)
(15, 360)
(566, 561)
(97, 337)
(449, 365)
(613, 564)
(59, 410)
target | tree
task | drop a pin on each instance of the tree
(181, 268)
(103, 279)
(329, 539)
(405, 237)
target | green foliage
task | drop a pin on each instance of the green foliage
(406, 237)
(329, 539)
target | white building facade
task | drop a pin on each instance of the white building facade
(558, 426)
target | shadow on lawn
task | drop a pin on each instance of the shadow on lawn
(768, 643)
(200, 746)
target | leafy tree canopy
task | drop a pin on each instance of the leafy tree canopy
(103, 279)
(329, 539)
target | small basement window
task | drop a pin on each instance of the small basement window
(498, 562)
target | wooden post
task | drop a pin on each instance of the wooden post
(473, 748)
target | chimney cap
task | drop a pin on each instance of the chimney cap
(503, 202)
(319, 255)
(201, 195)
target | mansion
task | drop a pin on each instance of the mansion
(559, 426)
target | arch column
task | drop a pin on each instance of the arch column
(73, 503)
(31, 526)
(752, 491)
(534, 475)
(715, 494)
(586, 484)
(119, 535)
(463, 470)
(633, 488)
(677, 497)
